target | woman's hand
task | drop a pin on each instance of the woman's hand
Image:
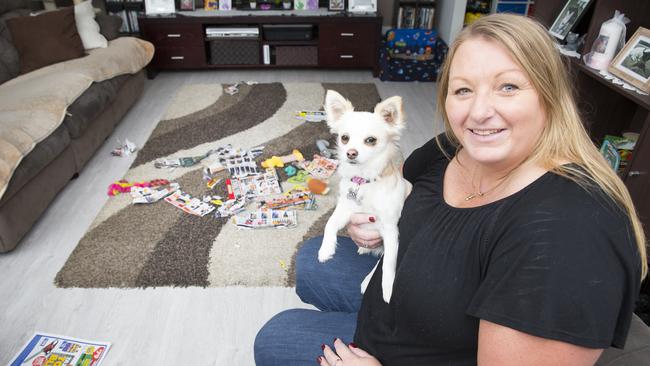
(345, 355)
(361, 234)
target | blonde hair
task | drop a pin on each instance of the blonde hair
(564, 137)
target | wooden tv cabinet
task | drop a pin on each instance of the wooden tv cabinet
(338, 41)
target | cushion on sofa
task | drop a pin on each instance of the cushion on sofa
(43, 153)
(7, 5)
(9, 60)
(109, 25)
(45, 39)
(84, 111)
(87, 27)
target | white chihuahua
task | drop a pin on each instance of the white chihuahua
(371, 180)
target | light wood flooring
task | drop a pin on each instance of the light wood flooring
(161, 326)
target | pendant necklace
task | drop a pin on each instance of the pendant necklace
(478, 192)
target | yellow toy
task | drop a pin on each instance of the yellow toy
(279, 161)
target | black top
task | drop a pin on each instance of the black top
(552, 260)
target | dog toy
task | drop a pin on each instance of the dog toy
(123, 186)
(311, 116)
(317, 186)
(290, 170)
(279, 161)
(323, 147)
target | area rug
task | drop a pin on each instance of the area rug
(153, 245)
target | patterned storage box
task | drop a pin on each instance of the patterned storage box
(411, 55)
(296, 55)
(234, 52)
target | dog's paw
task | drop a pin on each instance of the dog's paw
(325, 253)
(366, 281)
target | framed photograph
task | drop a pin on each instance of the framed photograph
(336, 5)
(186, 5)
(632, 64)
(568, 18)
(159, 7)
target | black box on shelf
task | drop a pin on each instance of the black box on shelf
(288, 32)
(234, 51)
(296, 55)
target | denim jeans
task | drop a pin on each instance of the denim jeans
(294, 337)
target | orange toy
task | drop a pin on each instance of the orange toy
(317, 186)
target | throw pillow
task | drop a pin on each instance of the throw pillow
(45, 39)
(109, 25)
(87, 26)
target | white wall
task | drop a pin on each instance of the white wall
(450, 15)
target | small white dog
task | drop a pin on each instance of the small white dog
(371, 179)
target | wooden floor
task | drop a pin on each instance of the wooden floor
(162, 326)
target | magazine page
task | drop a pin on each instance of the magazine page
(49, 349)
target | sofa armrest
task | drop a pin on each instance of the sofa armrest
(109, 25)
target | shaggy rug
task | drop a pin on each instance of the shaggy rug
(152, 245)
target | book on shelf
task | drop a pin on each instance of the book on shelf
(415, 17)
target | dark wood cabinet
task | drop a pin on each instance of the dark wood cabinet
(608, 108)
(338, 41)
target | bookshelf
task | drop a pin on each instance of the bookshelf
(128, 10)
(414, 14)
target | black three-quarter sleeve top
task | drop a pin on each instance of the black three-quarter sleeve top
(552, 260)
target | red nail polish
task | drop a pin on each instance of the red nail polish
(319, 359)
(322, 346)
(335, 340)
(371, 218)
(353, 345)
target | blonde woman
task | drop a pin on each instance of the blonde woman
(518, 244)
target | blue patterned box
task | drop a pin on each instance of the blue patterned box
(411, 55)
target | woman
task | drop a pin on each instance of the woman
(518, 244)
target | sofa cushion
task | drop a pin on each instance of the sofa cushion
(45, 39)
(7, 5)
(9, 60)
(43, 153)
(109, 25)
(91, 103)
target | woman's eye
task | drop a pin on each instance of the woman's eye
(509, 88)
(461, 91)
(345, 139)
(371, 141)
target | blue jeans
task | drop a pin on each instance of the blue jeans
(294, 337)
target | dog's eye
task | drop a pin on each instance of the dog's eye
(370, 140)
(345, 139)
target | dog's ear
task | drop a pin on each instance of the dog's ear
(391, 112)
(335, 107)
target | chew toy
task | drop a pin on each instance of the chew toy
(279, 161)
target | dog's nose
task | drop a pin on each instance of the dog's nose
(352, 154)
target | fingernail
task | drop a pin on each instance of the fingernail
(353, 345)
(335, 340)
(319, 359)
(371, 218)
(322, 346)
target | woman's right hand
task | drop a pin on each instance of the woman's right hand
(361, 231)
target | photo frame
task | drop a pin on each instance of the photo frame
(336, 5)
(571, 13)
(186, 5)
(632, 63)
(159, 7)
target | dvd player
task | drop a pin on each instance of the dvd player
(221, 32)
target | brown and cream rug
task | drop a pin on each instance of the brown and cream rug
(159, 245)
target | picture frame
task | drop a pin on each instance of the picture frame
(632, 63)
(186, 5)
(570, 15)
(336, 5)
(152, 7)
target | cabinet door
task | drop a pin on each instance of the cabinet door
(348, 44)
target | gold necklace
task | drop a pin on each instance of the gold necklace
(478, 192)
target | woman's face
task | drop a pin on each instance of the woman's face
(492, 107)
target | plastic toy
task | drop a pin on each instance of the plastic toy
(323, 147)
(280, 161)
(317, 186)
(124, 186)
(290, 170)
